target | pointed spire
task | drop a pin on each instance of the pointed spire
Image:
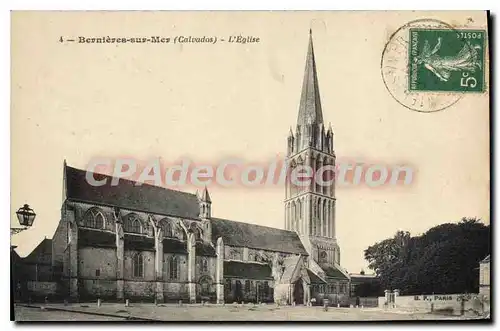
(310, 103)
(205, 196)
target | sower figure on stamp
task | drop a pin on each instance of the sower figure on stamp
(466, 60)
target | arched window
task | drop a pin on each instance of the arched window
(325, 177)
(265, 289)
(138, 265)
(196, 231)
(133, 224)
(178, 232)
(318, 166)
(247, 286)
(205, 283)
(174, 267)
(94, 218)
(204, 265)
(318, 218)
(325, 219)
(167, 229)
(197, 234)
(228, 285)
(322, 257)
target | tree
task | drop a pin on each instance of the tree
(442, 260)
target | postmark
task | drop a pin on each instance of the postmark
(427, 65)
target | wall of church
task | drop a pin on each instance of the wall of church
(103, 283)
(79, 210)
(211, 268)
(175, 288)
(173, 292)
(139, 290)
(233, 253)
(148, 266)
(59, 244)
(248, 290)
(182, 266)
(250, 254)
(97, 272)
(97, 263)
(335, 291)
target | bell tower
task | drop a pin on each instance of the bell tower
(310, 209)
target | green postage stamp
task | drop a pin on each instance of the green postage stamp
(446, 60)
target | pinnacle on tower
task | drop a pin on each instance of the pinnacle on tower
(205, 196)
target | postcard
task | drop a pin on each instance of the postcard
(250, 166)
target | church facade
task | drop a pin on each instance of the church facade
(144, 242)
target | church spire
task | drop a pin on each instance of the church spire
(310, 104)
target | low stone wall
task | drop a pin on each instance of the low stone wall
(42, 288)
(364, 302)
(453, 304)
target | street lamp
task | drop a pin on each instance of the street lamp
(26, 216)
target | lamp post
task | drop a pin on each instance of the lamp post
(25, 216)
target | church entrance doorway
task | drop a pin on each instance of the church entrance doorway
(298, 292)
(238, 293)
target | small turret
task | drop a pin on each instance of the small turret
(205, 204)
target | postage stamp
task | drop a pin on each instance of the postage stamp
(427, 65)
(446, 60)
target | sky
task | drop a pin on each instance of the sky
(207, 102)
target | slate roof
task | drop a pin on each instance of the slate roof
(333, 272)
(96, 238)
(145, 197)
(362, 277)
(138, 242)
(256, 236)
(315, 279)
(247, 270)
(205, 249)
(174, 246)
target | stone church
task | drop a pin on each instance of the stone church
(151, 243)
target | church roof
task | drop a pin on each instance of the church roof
(145, 197)
(256, 236)
(96, 238)
(174, 246)
(138, 242)
(332, 271)
(310, 103)
(204, 249)
(486, 259)
(247, 270)
(315, 279)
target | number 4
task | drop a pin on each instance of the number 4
(465, 80)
